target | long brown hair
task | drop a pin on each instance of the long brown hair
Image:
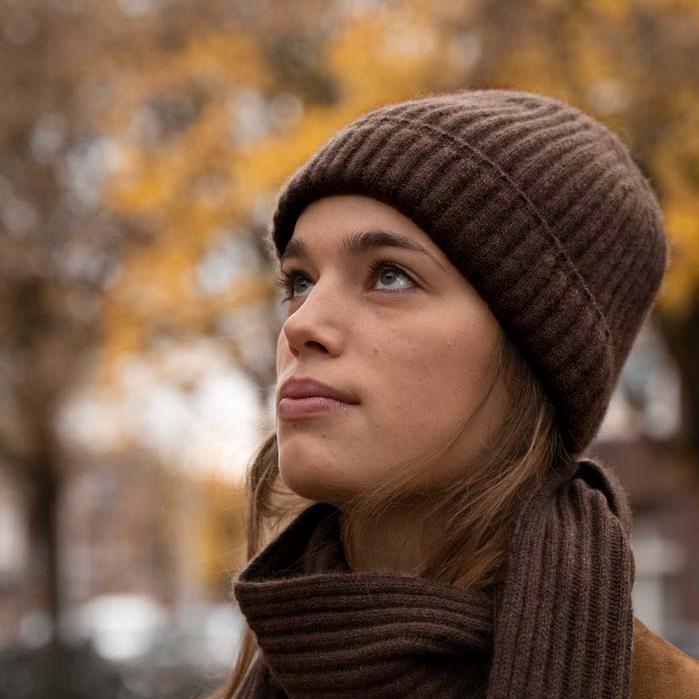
(477, 508)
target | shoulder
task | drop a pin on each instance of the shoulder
(659, 669)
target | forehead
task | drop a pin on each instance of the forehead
(357, 225)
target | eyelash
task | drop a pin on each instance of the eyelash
(286, 279)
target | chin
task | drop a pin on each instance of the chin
(311, 484)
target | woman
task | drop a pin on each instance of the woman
(465, 274)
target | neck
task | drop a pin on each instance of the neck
(393, 543)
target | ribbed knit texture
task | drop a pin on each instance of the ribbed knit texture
(560, 626)
(539, 205)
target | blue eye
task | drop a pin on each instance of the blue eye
(286, 282)
(381, 266)
(288, 278)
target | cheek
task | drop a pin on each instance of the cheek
(431, 383)
(442, 361)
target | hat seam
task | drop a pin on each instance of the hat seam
(530, 204)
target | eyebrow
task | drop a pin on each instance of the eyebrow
(359, 243)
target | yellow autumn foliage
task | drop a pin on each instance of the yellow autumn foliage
(214, 172)
(202, 179)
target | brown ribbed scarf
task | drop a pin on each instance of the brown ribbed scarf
(559, 626)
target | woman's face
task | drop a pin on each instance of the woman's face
(410, 340)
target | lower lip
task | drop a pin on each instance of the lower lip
(314, 405)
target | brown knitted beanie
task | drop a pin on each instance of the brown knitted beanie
(537, 204)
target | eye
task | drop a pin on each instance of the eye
(379, 266)
(288, 278)
(286, 282)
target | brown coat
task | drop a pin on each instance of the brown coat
(660, 670)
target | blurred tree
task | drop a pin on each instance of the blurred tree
(268, 82)
(57, 253)
(254, 98)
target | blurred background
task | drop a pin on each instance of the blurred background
(142, 143)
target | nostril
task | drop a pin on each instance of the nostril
(316, 344)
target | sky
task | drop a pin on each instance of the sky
(187, 405)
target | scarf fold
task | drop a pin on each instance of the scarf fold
(559, 626)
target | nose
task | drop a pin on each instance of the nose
(316, 323)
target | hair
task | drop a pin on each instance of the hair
(476, 508)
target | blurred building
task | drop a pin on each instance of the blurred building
(665, 527)
(637, 442)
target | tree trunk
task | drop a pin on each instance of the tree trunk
(44, 487)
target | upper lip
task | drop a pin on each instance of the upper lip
(304, 387)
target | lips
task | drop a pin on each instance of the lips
(306, 387)
(303, 397)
